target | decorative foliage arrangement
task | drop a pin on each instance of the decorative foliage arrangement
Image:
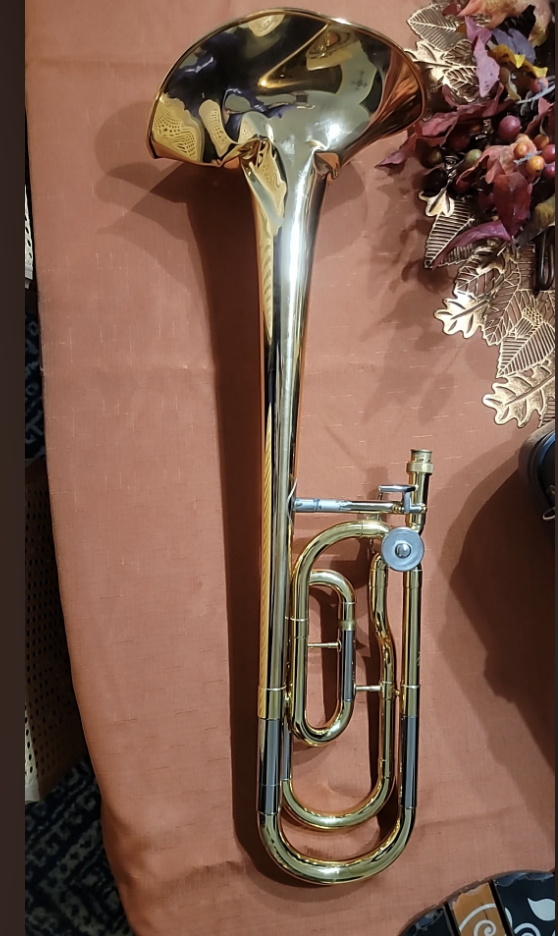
(487, 146)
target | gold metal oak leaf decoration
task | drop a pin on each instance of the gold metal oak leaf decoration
(493, 294)
(443, 52)
(448, 223)
(523, 395)
(476, 287)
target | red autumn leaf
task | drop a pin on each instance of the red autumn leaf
(495, 105)
(544, 108)
(402, 154)
(512, 196)
(496, 11)
(488, 70)
(482, 109)
(437, 128)
(492, 229)
(498, 159)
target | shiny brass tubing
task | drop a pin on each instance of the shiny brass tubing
(300, 595)
(372, 804)
(345, 656)
(321, 871)
(286, 253)
(378, 590)
(345, 645)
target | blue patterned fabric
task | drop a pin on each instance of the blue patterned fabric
(69, 887)
(34, 424)
(435, 923)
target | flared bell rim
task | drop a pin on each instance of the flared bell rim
(290, 11)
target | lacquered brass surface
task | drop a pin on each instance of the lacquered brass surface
(288, 97)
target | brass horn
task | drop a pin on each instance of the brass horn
(288, 97)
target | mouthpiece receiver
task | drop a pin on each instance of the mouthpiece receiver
(419, 468)
(421, 462)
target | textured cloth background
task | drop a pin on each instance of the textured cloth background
(150, 340)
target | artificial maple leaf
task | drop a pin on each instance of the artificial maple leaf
(512, 195)
(488, 70)
(496, 11)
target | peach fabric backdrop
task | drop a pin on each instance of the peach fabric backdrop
(150, 339)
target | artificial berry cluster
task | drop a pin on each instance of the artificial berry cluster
(535, 156)
(468, 146)
(498, 150)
